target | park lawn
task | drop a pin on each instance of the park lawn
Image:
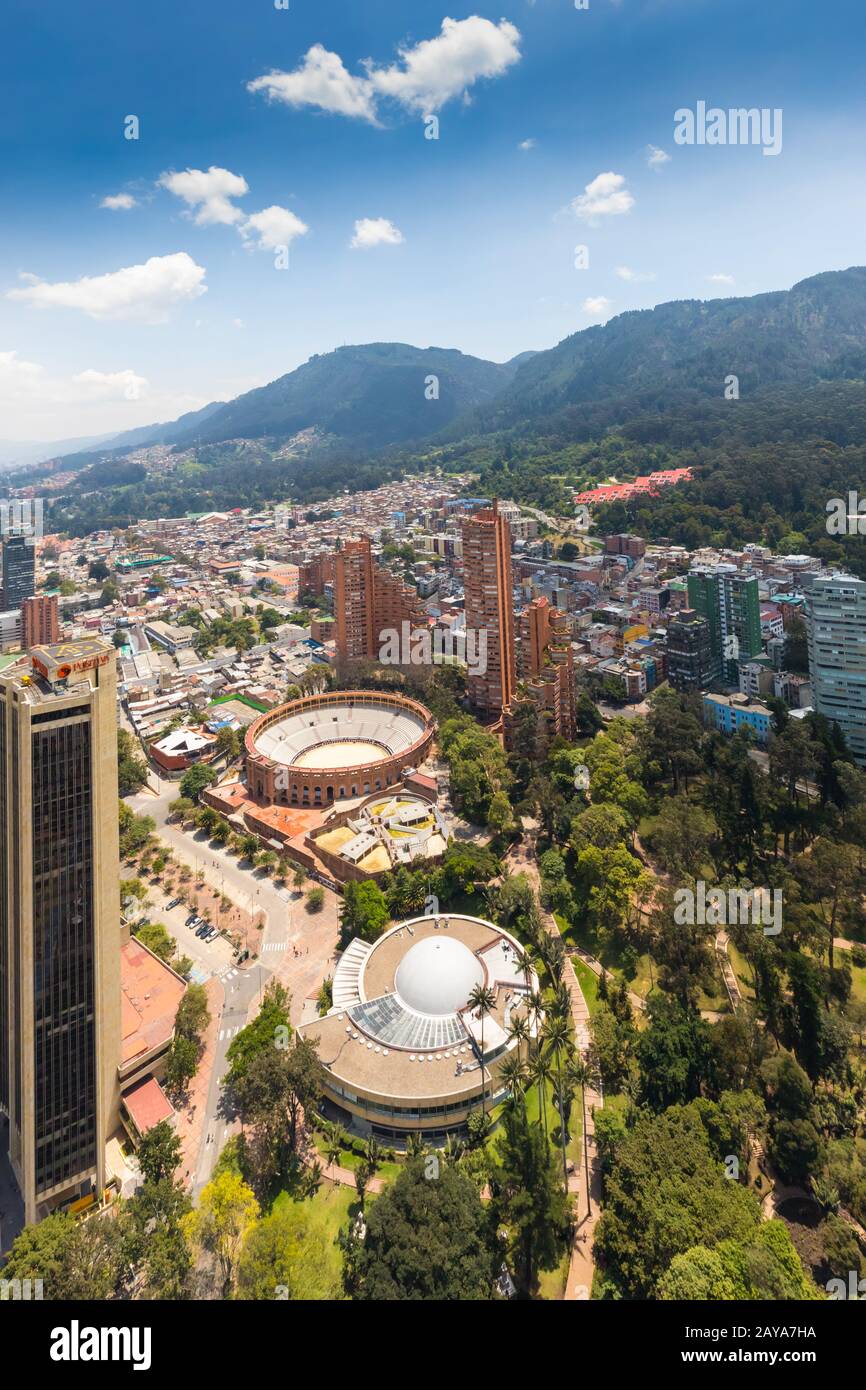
(641, 982)
(609, 952)
(552, 1282)
(533, 1111)
(742, 970)
(467, 905)
(588, 981)
(616, 1101)
(858, 975)
(329, 1210)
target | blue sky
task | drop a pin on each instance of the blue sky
(465, 241)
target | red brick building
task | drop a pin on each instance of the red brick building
(368, 600)
(546, 669)
(489, 602)
(40, 621)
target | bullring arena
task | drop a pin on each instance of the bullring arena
(342, 744)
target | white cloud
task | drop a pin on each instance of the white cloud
(119, 202)
(427, 75)
(108, 386)
(145, 291)
(237, 323)
(527, 144)
(605, 196)
(375, 231)
(274, 227)
(656, 157)
(22, 381)
(634, 277)
(321, 81)
(721, 279)
(39, 403)
(209, 191)
(18, 378)
(596, 306)
(436, 70)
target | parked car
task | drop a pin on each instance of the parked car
(192, 919)
(203, 931)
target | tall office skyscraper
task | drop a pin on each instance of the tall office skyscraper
(489, 603)
(836, 632)
(690, 661)
(729, 601)
(19, 569)
(59, 920)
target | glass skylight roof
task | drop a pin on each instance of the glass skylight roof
(387, 1020)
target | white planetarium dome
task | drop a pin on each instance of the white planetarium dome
(437, 975)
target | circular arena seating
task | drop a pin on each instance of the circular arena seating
(367, 727)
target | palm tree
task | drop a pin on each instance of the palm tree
(560, 1004)
(523, 962)
(540, 1070)
(579, 1072)
(455, 1148)
(825, 1192)
(481, 1001)
(415, 1145)
(513, 1074)
(518, 1031)
(336, 1140)
(536, 1013)
(372, 1153)
(555, 959)
(557, 1035)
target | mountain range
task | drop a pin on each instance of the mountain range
(657, 377)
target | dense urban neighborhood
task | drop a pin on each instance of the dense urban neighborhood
(573, 901)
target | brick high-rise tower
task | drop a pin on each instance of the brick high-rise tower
(40, 621)
(490, 607)
(369, 600)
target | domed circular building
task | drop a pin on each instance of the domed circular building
(342, 744)
(401, 1046)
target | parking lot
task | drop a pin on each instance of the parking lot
(208, 957)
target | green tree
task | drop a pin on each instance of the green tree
(665, 1193)
(480, 1003)
(131, 770)
(427, 1238)
(195, 779)
(218, 1226)
(364, 911)
(155, 937)
(286, 1255)
(531, 1202)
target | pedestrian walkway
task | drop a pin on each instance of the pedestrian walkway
(346, 1178)
(730, 979)
(226, 1033)
(190, 1120)
(582, 1268)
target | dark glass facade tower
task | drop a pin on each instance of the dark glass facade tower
(19, 570)
(59, 921)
